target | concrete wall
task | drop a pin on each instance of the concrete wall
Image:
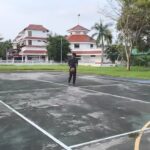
(34, 48)
(36, 42)
(89, 59)
(37, 34)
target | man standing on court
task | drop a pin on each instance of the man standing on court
(73, 63)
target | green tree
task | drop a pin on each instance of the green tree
(103, 35)
(132, 23)
(143, 42)
(4, 47)
(114, 52)
(55, 44)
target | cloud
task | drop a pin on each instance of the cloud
(57, 16)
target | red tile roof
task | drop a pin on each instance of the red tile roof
(78, 28)
(36, 27)
(80, 38)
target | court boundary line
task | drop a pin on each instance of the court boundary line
(117, 79)
(11, 91)
(95, 141)
(122, 97)
(50, 82)
(122, 80)
(101, 85)
(36, 126)
(113, 79)
(107, 138)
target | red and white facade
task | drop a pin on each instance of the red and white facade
(32, 42)
(83, 45)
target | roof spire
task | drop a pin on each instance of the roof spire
(78, 18)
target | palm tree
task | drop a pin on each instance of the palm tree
(103, 35)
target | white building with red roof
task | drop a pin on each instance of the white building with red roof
(30, 44)
(83, 45)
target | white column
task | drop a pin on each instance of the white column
(46, 58)
(13, 60)
(22, 58)
(26, 58)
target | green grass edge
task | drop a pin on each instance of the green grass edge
(136, 72)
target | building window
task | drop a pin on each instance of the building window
(91, 45)
(29, 33)
(92, 55)
(76, 46)
(29, 42)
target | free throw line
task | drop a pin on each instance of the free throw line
(36, 126)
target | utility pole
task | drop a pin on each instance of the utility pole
(61, 51)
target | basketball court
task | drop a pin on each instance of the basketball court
(41, 111)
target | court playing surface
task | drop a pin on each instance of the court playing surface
(40, 111)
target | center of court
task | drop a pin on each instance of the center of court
(97, 109)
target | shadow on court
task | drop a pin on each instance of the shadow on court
(95, 108)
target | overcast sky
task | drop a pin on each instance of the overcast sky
(56, 15)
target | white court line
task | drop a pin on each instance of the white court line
(37, 127)
(107, 138)
(50, 82)
(69, 148)
(99, 85)
(12, 91)
(123, 97)
(129, 81)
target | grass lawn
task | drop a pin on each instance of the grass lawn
(136, 72)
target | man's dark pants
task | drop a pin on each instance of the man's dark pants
(72, 74)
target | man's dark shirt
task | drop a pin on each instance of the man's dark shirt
(73, 62)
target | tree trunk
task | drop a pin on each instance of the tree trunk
(128, 63)
(102, 56)
(128, 50)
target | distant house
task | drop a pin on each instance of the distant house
(30, 44)
(83, 45)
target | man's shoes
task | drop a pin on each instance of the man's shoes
(73, 84)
